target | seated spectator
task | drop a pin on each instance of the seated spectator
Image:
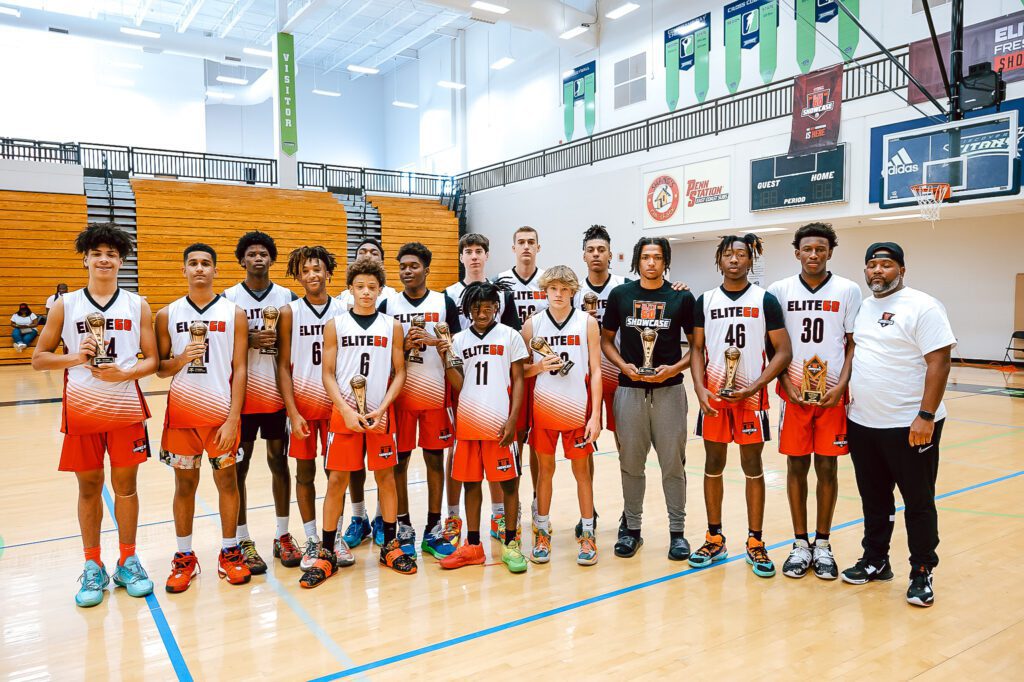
(23, 327)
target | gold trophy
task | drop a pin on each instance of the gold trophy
(648, 337)
(358, 385)
(270, 317)
(197, 334)
(813, 386)
(414, 353)
(451, 360)
(589, 302)
(97, 325)
(540, 344)
(732, 363)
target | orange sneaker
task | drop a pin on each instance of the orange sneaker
(232, 566)
(184, 567)
(466, 555)
(392, 556)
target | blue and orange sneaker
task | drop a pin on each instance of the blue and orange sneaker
(437, 545)
(498, 528)
(757, 556)
(94, 581)
(357, 531)
(407, 539)
(711, 552)
(133, 577)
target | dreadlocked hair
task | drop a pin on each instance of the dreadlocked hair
(298, 257)
(751, 240)
(596, 232)
(484, 292)
(660, 242)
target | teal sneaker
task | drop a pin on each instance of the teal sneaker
(357, 531)
(711, 552)
(512, 557)
(757, 557)
(437, 545)
(378, 531)
(94, 581)
(133, 577)
(541, 553)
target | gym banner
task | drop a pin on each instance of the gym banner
(580, 86)
(682, 195)
(849, 34)
(749, 23)
(286, 93)
(686, 47)
(808, 14)
(999, 41)
(817, 104)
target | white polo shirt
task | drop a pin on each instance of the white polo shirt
(892, 336)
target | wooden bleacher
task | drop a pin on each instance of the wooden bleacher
(419, 220)
(171, 215)
(43, 227)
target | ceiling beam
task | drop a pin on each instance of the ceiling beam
(408, 40)
(328, 65)
(142, 11)
(301, 15)
(231, 19)
(331, 27)
(189, 11)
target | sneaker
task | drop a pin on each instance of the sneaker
(133, 577)
(323, 568)
(357, 531)
(378, 530)
(541, 553)
(920, 591)
(757, 556)
(466, 555)
(711, 552)
(184, 567)
(588, 550)
(865, 572)
(392, 556)
(232, 565)
(579, 525)
(824, 563)
(407, 539)
(94, 581)
(453, 530)
(437, 545)
(512, 556)
(343, 554)
(799, 560)
(498, 527)
(253, 561)
(286, 551)
(310, 553)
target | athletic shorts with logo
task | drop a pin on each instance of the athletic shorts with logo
(804, 430)
(574, 444)
(305, 448)
(126, 447)
(372, 450)
(734, 424)
(476, 459)
(434, 426)
(183, 448)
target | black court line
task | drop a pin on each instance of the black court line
(45, 401)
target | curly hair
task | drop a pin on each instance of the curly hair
(415, 249)
(110, 234)
(365, 266)
(660, 242)
(751, 240)
(255, 238)
(562, 274)
(596, 232)
(484, 292)
(298, 257)
(823, 230)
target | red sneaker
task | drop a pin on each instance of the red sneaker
(184, 567)
(232, 566)
(466, 555)
(286, 551)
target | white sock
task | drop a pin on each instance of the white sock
(543, 523)
(282, 526)
(359, 509)
(588, 525)
(184, 543)
(453, 511)
(310, 530)
(228, 543)
(498, 509)
(243, 532)
(377, 513)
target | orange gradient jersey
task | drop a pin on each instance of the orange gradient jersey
(560, 403)
(484, 401)
(308, 322)
(424, 379)
(261, 394)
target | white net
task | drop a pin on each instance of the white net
(929, 198)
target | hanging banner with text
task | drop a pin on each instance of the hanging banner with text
(580, 86)
(749, 23)
(694, 193)
(286, 93)
(686, 47)
(817, 111)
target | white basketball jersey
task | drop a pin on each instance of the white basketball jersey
(348, 302)
(366, 351)
(424, 380)
(609, 372)
(484, 401)
(261, 394)
(739, 323)
(561, 403)
(817, 321)
(91, 405)
(201, 399)
(526, 294)
(308, 321)
(455, 292)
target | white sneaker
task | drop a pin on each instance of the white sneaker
(20, 347)
(343, 553)
(799, 560)
(824, 563)
(310, 554)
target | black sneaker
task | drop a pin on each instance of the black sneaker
(920, 591)
(865, 572)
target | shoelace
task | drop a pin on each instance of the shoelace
(181, 563)
(91, 580)
(311, 550)
(709, 548)
(803, 554)
(288, 544)
(136, 571)
(235, 556)
(759, 553)
(588, 545)
(823, 555)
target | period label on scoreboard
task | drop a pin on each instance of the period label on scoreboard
(794, 181)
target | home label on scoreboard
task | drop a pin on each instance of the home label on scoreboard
(794, 181)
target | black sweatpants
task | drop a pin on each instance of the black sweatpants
(882, 460)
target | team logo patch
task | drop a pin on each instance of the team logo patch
(445, 434)
(749, 428)
(819, 103)
(886, 319)
(140, 445)
(580, 442)
(386, 452)
(504, 464)
(840, 441)
(648, 310)
(662, 197)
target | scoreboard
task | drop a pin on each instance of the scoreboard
(795, 181)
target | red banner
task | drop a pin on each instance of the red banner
(817, 110)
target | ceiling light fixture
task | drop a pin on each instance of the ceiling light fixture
(573, 32)
(901, 216)
(622, 10)
(11, 12)
(502, 63)
(232, 80)
(451, 85)
(256, 52)
(219, 95)
(131, 31)
(326, 93)
(356, 68)
(488, 7)
(404, 105)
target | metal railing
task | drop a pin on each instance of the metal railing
(178, 164)
(38, 150)
(352, 179)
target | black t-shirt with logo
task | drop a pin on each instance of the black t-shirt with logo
(632, 308)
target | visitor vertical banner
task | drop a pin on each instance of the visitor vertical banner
(286, 93)
(686, 47)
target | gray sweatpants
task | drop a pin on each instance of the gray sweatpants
(646, 416)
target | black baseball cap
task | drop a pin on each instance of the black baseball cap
(886, 250)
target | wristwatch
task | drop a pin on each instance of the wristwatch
(926, 415)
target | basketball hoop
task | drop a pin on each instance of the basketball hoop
(930, 196)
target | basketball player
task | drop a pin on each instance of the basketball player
(422, 403)
(366, 345)
(204, 407)
(738, 315)
(300, 379)
(102, 408)
(368, 248)
(263, 412)
(566, 404)
(490, 397)
(819, 308)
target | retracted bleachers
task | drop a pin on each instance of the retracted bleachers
(419, 220)
(171, 215)
(40, 229)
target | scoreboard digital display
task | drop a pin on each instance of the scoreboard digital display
(794, 181)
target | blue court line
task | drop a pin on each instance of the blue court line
(572, 606)
(162, 626)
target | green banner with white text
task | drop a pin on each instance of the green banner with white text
(287, 119)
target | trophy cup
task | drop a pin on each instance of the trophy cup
(648, 337)
(358, 385)
(270, 317)
(813, 386)
(589, 302)
(540, 344)
(732, 363)
(451, 360)
(415, 356)
(197, 333)
(96, 325)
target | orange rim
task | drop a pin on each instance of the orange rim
(939, 190)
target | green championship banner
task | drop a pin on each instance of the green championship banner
(686, 47)
(747, 24)
(286, 93)
(809, 13)
(580, 85)
(849, 34)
